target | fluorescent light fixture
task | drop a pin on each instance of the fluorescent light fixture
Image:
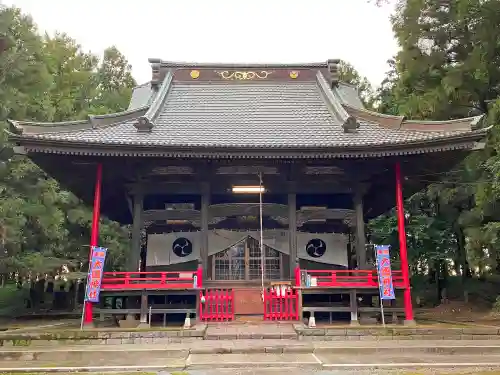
(248, 189)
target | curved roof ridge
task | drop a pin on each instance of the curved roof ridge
(183, 64)
(146, 122)
(99, 121)
(384, 120)
(91, 122)
(349, 123)
(23, 127)
(461, 124)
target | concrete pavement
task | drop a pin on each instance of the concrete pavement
(257, 354)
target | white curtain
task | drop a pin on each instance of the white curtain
(180, 247)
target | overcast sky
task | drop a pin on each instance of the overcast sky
(225, 30)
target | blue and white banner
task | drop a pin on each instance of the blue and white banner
(386, 287)
(96, 271)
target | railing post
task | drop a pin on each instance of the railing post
(163, 278)
(374, 278)
(127, 278)
(297, 275)
(199, 276)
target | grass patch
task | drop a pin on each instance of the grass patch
(11, 300)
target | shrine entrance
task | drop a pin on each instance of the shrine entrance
(242, 262)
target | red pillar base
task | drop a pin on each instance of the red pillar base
(87, 315)
(408, 308)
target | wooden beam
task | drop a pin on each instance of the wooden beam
(326, 186)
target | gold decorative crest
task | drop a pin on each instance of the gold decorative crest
(243, 76)
(194, 74)
(294, 74)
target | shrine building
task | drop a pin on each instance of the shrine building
(248, 188)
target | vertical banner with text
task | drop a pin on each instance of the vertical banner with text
(386, 287)
(94, 278)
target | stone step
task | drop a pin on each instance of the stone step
(133, 353)
(263, 361)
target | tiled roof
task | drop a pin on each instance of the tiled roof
(253, 115)
(264, 115)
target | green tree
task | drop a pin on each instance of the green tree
(114, 82)
(448, 67)
(51, 79)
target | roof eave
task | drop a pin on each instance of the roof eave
(471, 141)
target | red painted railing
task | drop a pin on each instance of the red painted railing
(281, 304)
(151, 280)
(348, 278)
(216, 305)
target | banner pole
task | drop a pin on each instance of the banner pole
(86, 287)
(84, 302)
(262, 257)
(83, 314)
(379, 289)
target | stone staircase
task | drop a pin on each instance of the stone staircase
(244, 330)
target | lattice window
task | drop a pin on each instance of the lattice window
(230, 264)
(243, 262)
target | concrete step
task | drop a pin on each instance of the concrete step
(284, 361)
(131, 353)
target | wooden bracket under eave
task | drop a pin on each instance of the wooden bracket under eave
(144, 125)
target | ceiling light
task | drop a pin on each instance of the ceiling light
(248, 189)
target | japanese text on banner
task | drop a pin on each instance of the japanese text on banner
(386, 287)
(96, 271)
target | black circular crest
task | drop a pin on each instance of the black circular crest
(316, 248)
(182, 247)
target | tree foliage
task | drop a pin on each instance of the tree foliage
(448, 66)
(50, 78)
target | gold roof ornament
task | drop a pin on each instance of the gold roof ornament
(294, 74)
(194, 74)
(243, 76)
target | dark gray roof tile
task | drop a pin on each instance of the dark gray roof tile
(263, 115)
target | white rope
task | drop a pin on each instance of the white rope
(262, 258)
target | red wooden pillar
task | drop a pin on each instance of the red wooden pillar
(94, 234)
(402, 246)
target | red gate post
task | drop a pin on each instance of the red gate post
(94, 234)
(402, 248)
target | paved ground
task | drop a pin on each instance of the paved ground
(251, 330)
(332, 357)
(265, 357)
(241, 345)
(299, 371)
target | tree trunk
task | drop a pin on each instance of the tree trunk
(462, 254)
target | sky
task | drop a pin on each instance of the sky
(271, 31)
